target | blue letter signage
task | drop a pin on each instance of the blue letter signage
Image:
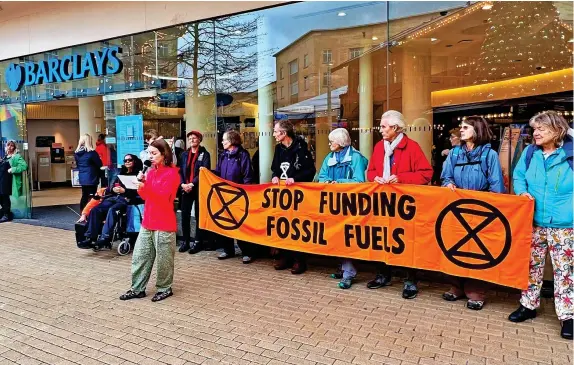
(75, 67)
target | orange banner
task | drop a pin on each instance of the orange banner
(464, 233)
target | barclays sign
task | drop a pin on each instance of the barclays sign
(98, 63)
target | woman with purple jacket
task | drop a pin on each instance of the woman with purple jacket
(234, 165)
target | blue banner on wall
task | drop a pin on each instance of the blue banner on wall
(130, 136)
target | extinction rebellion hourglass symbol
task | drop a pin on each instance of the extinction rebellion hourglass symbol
(478, 248)
(219, 201)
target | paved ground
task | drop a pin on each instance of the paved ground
(58, 305)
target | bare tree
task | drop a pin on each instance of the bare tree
(219, 55)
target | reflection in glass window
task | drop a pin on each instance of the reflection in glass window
(294, 88)
(327, 56)
(293, 67)
(306, 61)
(355, 52)
(326, 79)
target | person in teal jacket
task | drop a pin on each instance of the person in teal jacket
(343, 164)
(544, 174)
(17, 166)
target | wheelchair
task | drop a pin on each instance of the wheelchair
(126, 229)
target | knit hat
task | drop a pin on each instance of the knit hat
(197, 134)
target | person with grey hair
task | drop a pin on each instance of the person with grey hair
(343, 164)
(397, 159)
(544, 174)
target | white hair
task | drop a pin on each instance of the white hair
(395, 118)
(341, 137)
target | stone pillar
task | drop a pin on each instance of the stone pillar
(323, 126)
(200, 116)
(91, 115)
(416, 98)
(265, 127)
(366, 105)
(265, 99)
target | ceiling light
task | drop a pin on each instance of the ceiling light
(341, 13)
(374, 38)
(434, 39)
(487, 6)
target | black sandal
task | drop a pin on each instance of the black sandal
(162, 295)
(130, 294)
(475, 304)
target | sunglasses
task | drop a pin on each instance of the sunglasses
(128, 160)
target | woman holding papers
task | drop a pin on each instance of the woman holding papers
(116, 198)
(474, 166)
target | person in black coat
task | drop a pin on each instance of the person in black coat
(293, 163)
(116, 198)
(89, 165)
(191, 160)
(5, 188)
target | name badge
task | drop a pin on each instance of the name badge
(200, 158)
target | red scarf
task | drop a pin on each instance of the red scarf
(191, 163)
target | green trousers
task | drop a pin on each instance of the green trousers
(149, 246)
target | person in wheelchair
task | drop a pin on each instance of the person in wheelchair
(115, 199)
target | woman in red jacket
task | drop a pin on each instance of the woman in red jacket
(397, 159)
(158, 232)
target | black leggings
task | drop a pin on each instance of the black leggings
(87, 193)
(6, 205)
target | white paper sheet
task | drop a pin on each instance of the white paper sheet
(129, 181)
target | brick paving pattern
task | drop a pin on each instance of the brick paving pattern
(59, 305)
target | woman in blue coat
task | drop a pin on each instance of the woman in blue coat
(234, 164)
(544, 174)
(474, 166)
(89, 164)
(343, 165)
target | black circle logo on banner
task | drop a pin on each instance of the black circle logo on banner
(457, 252)
(220, 198)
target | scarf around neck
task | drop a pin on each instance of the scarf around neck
(340, 155)
(389, 149)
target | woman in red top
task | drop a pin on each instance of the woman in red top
(397, 159)
(158, 232)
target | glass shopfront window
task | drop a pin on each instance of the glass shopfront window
(324, 65)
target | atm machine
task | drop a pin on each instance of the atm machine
(70, 164)
(58, 162)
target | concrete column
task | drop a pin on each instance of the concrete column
(323, 126)
(200, 116)
(366, 105)
(91, 115)
(265, 99)
(265, 127)
(416, 98)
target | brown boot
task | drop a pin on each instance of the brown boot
(282, 264)
(298, 268)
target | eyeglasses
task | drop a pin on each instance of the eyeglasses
(128, 160)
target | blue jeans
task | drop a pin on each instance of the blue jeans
(107, 209)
